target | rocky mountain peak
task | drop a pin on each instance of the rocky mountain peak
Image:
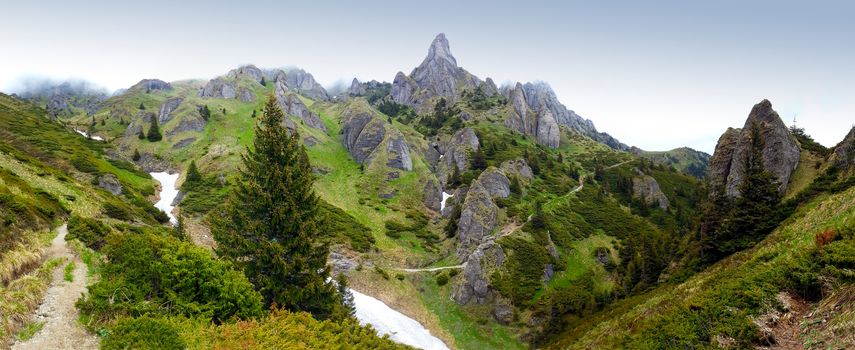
(780, 151)
(440, 51)
(247, 71)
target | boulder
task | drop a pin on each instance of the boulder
(110, 183)
(844, 152)
(184, 143)
(495, 182)
(478, 218)
(475, 282)
(166, 109)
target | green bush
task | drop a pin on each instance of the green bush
(84, 164)
(344, 226)
(90, 232)
(442, 279)
(143, 333)
(115, 211)
(159, 274)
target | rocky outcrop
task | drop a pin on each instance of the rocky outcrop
(64, 98)
(292, 105)
(184, 143)
(646, 189)
(219, 88)
(248, 71)
(399, 153)
(489, 87)
(404, 90)
(538, 122)
(844, 152)
(780, 151)
(303, 83)
(432, 194)
(166, 109)
(475, 284)
(149, 85)
(456, 153)
(356, 88)
(189, 123)
(245, 95)
(361, 134)
(110, 183)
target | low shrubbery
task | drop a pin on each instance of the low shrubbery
(90, 232)
(151, 274)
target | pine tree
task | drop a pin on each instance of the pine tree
(451, 226)
(142, 106)
(263, 82)
(137, 155)
(193, 175)
(204, 112)
(269, 225)
(141, 135)
(253, 113)
(479, 160)
(154, 131)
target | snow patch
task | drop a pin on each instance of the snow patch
(399, 327)
(168, 192)
(445, 196)
(96, 137)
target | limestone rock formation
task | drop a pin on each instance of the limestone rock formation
(475, 284)
(538, 122)
(780, 151)
(248, 71)
(432, 194)
(361, 134)
(399, 153)
(456, 153)
(219, 88)
(292, 105)
(303, 83)
(166, 109)
(404, 90)
(356, 88)
(646, 188)
(189, 123)
(844, 152)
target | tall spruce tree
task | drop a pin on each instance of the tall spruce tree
(269, 224)
(193, 174)
(154, 131)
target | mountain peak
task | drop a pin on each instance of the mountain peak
(440, 50)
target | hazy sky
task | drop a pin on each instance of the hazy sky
(655, 74)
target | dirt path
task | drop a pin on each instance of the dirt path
(432, 269)
(61, 329)
(617, 165)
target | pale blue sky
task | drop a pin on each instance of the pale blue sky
(655, 74)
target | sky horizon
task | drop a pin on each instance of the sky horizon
(658, 75)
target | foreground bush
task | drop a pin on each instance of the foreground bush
(91, 232)
(143, 333)
(154, 274)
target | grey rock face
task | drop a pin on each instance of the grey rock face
(245, 95)
(456, 153)
(432, 195)
(475, 285)
(399, 153)
(188, 124)
(844, 152)
(495, 182)
(517, 167)
(539, 123)
(166, 109)
(356, 88)
(150, 85)
(780, 151)
(110, 183)
(361, 134)
(503, 311)
(304, 84)
(439, 74)
(478, 218)
(489, 87)
(219, 88)
(646, 188)
(291, 105)
(248, 71)
(184, 143)
(403, 89)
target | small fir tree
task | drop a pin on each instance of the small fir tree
(154, 131)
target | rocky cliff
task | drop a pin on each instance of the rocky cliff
(292, 105)
(844, 152)
(780, 151)
(364, 135)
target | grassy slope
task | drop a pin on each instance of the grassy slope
(630, 316)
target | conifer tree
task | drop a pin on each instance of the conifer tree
(141, 134)
(154, 131)
(137, 155)
(263, 82)
(479, 160)
(205, 113)
(142, 106)
(269, 225)
(347, 305)
(193, 175)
